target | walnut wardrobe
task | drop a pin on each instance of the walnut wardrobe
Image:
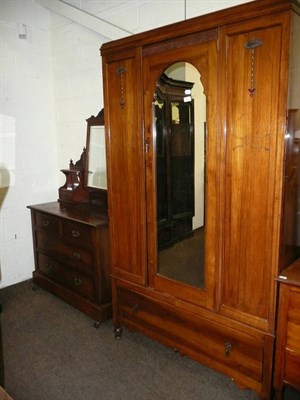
(210, 294)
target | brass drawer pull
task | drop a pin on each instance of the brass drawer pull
(77, 281)
(75, 233)
(77, 255)
(135, 308)
(228, 348)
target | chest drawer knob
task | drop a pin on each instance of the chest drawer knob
(48, 267)
(77, 255)
(228, 348)
(77, 281)
(135, 308)
(75, 233)
(46, 222)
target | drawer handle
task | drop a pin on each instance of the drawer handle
(77, 255)
(48, 267)
(77, 281)
(135, 308)
(228, 348)
(75, 233)
(46, 223)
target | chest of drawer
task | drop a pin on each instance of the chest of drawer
(294, 305)
(292, 347)
(292, 369)
(47, 223)
(235, 351)
(74, 280)
(76, 257)
(77, 234)
(70, 243)
(287, 352)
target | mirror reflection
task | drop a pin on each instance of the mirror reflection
(180, 122)
(97, 158)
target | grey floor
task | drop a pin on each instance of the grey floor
(53, 352)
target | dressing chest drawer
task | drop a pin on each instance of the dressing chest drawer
(71, 256)
(77, 282)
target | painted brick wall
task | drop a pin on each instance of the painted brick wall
(28, 148)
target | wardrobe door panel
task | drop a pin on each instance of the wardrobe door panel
(255, 68)
(125, 142)
(192, 281)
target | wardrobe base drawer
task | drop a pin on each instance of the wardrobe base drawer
(216, 345)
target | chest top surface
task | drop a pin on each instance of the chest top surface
(75, 213)
(291, 275)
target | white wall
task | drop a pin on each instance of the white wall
(28, 148)
(50, 83)
(77, 84)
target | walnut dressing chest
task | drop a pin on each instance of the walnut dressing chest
(71, 256)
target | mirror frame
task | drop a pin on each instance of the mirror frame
(92, 121)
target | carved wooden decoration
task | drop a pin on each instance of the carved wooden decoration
(120, 72)
(252, 45)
